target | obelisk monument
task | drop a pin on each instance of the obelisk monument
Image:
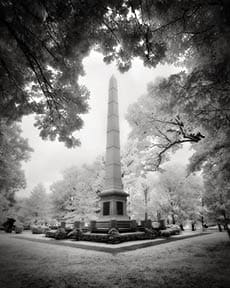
(113, 198)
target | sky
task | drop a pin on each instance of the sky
(50, 158)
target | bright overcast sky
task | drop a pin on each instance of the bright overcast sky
(51, 158)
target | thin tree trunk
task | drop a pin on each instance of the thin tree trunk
(181, 227)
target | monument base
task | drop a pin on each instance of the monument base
(104, 225)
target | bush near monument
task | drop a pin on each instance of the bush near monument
(39, 229)
(51, 233)
(170, 230)
(18, 227)
(9, 225)
(60, 234)
(76, 234)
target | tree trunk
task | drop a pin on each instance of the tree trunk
(226, 226)
(181, 227)
(193, 226)
(225, 221)
(219, 227)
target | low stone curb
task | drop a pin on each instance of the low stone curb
(112, 248)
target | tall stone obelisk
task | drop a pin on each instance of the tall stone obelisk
(113, 198)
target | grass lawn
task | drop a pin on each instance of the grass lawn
(195, 262)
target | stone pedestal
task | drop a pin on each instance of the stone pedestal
(113, 206)
(162, 224)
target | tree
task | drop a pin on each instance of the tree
(13, 150)
(142, 202)
(40, 67)
(185, 108)
(38, 203)
(179, 197)
(33, 209)
(156, 124)
(216, 196)
(168, 193)
(76, 195)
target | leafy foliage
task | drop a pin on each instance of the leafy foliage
(186, 108)
(179, 197)
(40, 67)
(217, 192)
(34, 209)
(156, 123)
(43, 45)
(168, 193)
(192, 106)
(13, 150)
(75, 196)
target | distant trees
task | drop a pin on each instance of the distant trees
(34, 209)
(74, 197)
(78, 191)
(169, 193)
(217, 197)
(179, 196)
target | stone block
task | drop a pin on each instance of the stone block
(113, 223)
(92, 225)
(77, 224)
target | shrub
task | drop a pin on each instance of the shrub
(165, 233)
(60, 234)
(26, 227)
(18, 229)
(51, 233)
(95, 237)
(8, 225)
(39, 229)
(150, 233)
(113, 236)
(174, 229)
(76, 234)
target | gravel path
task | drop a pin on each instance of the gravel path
(194, 262)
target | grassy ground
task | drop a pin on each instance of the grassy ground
(195, 262)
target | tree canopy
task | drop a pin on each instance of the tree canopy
(186, 107)
(35, 208)
(43, 45)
